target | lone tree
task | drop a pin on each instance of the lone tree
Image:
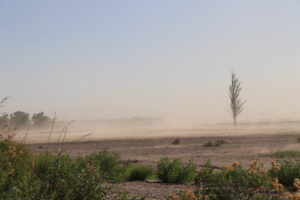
(237, 105)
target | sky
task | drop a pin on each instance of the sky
(150, 58)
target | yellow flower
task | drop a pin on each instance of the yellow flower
(265, 170)
(229, 168)
(189, 195)
(297, 184)
(236, 164)
(11, 171)
(276, 166)
(254, 164)
(277, 186)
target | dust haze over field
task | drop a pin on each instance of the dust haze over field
(141, 128)
(142, 69)
(139, 95)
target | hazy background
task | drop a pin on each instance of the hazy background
(168, 59)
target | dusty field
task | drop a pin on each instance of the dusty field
(148, 151)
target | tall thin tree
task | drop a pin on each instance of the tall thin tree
(236, 104)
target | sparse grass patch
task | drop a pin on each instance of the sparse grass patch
(138, 173)
(176, 141)
(208, 144)
(216, 143)
(219, 143)
(285, 154)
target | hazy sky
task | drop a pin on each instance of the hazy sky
(112, 59)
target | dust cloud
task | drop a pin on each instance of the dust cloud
(138, 128)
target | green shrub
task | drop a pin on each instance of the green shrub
(110, 166)
(176, 141)
(16, 175)
(286, 172)
(138, 173)
(63, 178)
(233, 182)
(57, 177)
(23, 176)
(175, 171)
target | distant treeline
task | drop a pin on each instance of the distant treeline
(22, 119)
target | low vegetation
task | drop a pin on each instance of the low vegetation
(48, 176)
(216, 143)
(175, 171)
(138, 173)
(176, 141)
(286, 171)
(252, 183)
(285, 154)
(233, 182)
(109, 165)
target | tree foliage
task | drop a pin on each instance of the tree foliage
(19, 119)
(237, 105)
(39, 119)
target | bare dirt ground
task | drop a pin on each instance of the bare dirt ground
(148, 151)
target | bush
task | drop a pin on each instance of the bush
(16, 175)
(176, 141)
(110, 166)
(234, 182)
(46, 176)
(138, 173)
(286, 171)
(64, 178)
(175, 171)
